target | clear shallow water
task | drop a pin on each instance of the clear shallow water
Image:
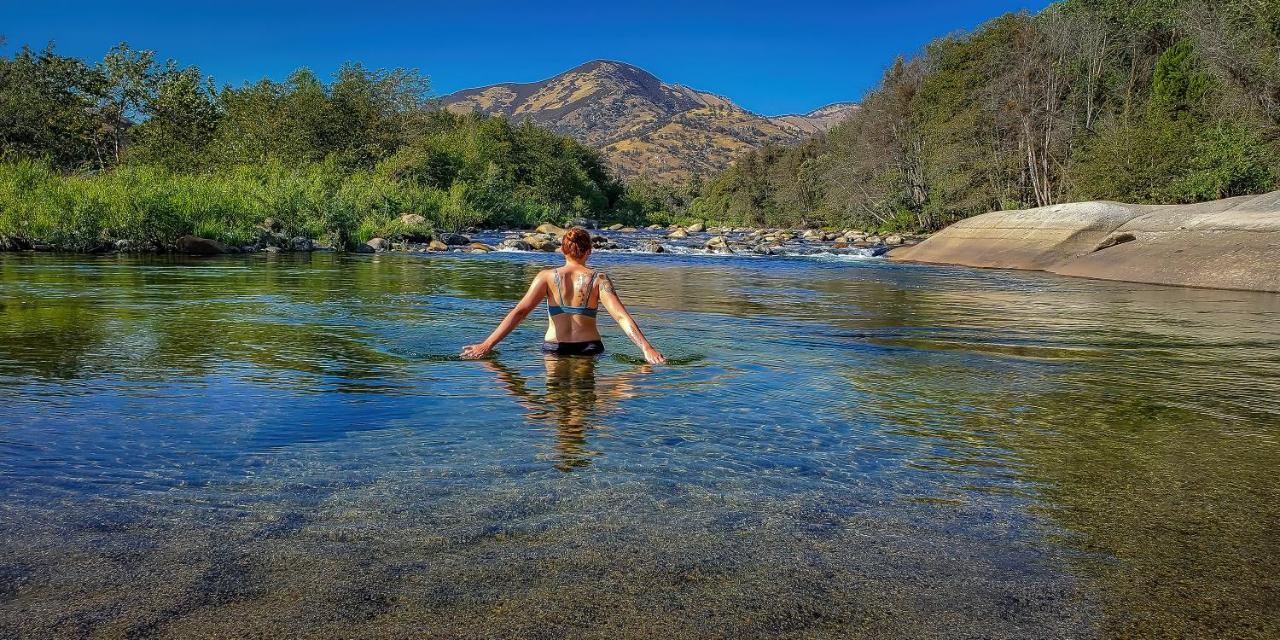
(284, 446)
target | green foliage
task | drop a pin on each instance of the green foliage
(147, 152)
(1140, 101)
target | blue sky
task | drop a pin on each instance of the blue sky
(770, 57)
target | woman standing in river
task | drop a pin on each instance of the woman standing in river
(573, 294)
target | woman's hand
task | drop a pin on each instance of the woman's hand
(473, 351)
(653, 356)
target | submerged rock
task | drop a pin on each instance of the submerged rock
(197, 246)
(480, 247)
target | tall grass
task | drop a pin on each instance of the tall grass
(151, 207)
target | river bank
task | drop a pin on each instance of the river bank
(1222, 244)
(416, 237)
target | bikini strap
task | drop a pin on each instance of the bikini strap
(558, 286)
(591, 285)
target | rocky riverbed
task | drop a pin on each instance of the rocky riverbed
(693, 239)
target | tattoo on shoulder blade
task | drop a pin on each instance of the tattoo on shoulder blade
(606, 285)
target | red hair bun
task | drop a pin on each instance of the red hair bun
(576, 243)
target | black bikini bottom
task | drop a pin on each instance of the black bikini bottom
(592, 348)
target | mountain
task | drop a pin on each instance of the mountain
(644, 126)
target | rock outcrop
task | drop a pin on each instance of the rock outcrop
(1224, 244)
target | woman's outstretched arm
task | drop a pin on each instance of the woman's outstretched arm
(609, 298)
(537, 291)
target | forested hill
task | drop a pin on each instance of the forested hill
(644, 127)
(1144, 101)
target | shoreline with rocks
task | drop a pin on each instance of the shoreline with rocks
(657, 239)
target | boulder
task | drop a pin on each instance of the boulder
(272, 249)
(678, 233)
(377, 244)
(716, 242)
(515, 243)
(454, 239)
(412, 219)
(364, 248)
(436, 245)
(653, 246)
(196, 246)
(627, 230)
(480, 247)
(541, 242)
(549, 228)
(585, 223)
(1225, 244)
(615, 227)
(893, 240)
(302, 244)
(654, 227)
(696, 227)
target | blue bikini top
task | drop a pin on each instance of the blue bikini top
(557, 309)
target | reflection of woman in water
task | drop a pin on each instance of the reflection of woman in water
(573, 293)
(573, 398)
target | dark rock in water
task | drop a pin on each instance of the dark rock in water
(653, 246)
(8, 243)
(549, 228)
(541, 243)
(879, 250)
(515, 243)
(365, 248)
(196, 246)
(302, 244)
(454, 239)
(585, 223)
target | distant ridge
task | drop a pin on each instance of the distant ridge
(644, 126)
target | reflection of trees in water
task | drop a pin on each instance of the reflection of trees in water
(573, 401)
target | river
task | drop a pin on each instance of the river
(286, 446)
